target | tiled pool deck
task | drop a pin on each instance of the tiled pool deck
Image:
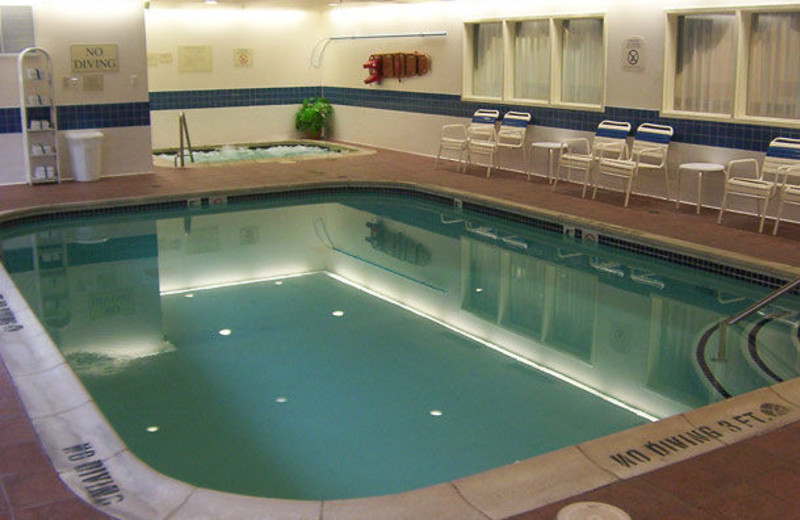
(755, 478)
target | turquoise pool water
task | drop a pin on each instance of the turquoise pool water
(349, 345)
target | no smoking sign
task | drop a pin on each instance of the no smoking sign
(633, 54)
(242, 57)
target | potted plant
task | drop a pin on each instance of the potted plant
(312, 116)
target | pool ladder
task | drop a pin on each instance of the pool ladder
(183, 132)
(733, 320)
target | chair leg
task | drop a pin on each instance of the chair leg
(586, 183)
(628, 191)
(438, 156)
(778, 217)
(762, 206)
(666, 183)
(722, 206)
(556, 175)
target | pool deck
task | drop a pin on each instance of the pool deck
(757, 477)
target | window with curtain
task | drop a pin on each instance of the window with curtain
(527, 73)
(487, 53)
(773, 72)
(583, 56)
(532, 60)
(705, 66)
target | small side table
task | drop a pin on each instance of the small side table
(700, 169)
(551, 149)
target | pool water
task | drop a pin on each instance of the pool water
(349, 345)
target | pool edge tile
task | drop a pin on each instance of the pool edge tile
(529, 484)
(51, 392)
(649, 447)
(125, 487)
(206, 504)
(745, 416)
(789, 390)
(440, 502)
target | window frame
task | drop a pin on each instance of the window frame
(743, 19)
(555, 35)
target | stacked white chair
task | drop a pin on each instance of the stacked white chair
(609, 142)
(649, 151)
(512, 132)
(744, 177)
(456, 137)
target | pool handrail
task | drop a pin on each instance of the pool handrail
(183, 130)
(736, 318)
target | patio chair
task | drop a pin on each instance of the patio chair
(609, 141)
(649, 151)
(744, 177)
(788, 193)
(454, 137)
(512, 132)
(482, 140)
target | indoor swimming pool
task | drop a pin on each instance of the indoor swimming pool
(347, 343)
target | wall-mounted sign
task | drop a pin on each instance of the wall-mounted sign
(194, 58)
(242, 57)
(633, 54)
(93, 82)
(103, 57)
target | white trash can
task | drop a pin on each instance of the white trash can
(85, 154)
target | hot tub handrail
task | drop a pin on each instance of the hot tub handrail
(183, 130)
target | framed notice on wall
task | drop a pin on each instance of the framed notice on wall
(194, 58)
(94, 57)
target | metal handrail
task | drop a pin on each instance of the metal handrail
(183, 130)
(736, 318)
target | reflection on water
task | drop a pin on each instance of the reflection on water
(117, 292)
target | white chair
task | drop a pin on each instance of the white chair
(482, 140)
(649, 151)
(455, 137)
(744, 178)
(512, 132)
(609, 141)
(787, 193)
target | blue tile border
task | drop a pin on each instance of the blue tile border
(74, 117)
(724, 135)
(708, 133)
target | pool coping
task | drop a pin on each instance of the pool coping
(91, 459)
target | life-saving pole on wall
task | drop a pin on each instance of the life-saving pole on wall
(376, 63)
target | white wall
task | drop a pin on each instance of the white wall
(59, 25)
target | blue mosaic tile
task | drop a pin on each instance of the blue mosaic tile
(108, 115)
(9, 121)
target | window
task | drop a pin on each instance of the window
(739, 64)
(487, 66)
(553, 61)
(532, 60)
(582, 61)
(773, 70)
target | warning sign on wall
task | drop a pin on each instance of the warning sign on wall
(242, 57)
(633, 54)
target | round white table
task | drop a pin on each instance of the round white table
(699, 168)
(551, 148)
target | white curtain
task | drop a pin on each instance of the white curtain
(706, 64)
(582, 61)
(773, 88)
(532, 60)
(487, 65)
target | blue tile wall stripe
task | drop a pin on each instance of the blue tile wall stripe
(75, 117)
(9, 121)
(709, 133)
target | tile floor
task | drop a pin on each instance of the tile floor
(756, 479)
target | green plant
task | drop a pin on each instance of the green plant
(313, 115)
